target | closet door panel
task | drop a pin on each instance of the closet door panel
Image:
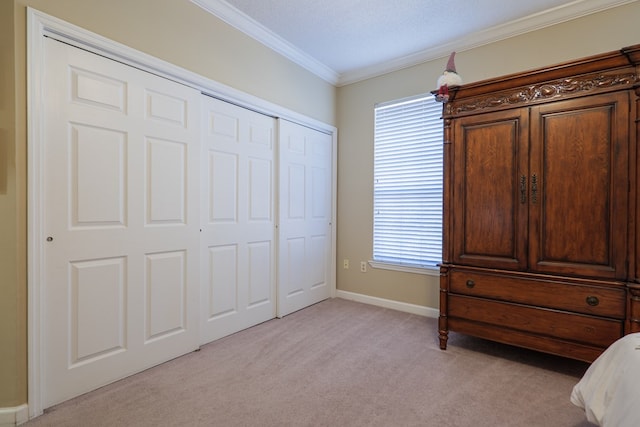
(120, 203)
(305, 217)
(238, 229)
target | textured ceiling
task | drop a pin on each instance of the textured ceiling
(350, 37)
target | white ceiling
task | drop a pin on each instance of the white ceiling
(344, 41)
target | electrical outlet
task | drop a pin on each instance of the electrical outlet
(363, 266)
(345, 264)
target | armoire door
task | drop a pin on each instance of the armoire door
(238, 270)
(305, 234)
(580, 186)
(121, 225)
(489, 207)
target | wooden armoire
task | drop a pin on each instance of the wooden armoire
(541, 207)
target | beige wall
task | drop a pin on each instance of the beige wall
(591, 35)
(13, 332)
(176, 31)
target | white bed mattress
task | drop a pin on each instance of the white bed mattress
(609, 391)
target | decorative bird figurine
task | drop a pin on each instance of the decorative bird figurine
(449, 78)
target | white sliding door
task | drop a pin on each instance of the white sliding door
(305, 260)
(238, 239)
(120, 221)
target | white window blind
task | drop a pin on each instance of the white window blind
(407, 224)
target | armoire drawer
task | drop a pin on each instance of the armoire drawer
(552, 323)
(581, 298)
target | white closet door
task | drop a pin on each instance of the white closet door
(305, 228)
(120, 191)
(238, 238)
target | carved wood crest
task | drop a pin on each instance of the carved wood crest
(540, 92)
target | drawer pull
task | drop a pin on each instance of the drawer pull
(470, 283)
(593, 301)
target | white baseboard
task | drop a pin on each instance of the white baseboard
(387, 303)
(10, 417)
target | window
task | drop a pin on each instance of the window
(407, 190)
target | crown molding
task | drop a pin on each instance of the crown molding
(254, 29)
(557, 15)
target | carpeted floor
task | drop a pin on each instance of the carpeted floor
(339, 363)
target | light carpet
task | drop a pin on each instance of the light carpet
(339, 363)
